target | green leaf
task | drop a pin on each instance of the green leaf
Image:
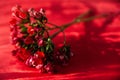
(49, 40)
(34, 24)
(25, 35)
(25, 21)
(51, 48)
(47, 47)
(39, 23)
(26, 47)
(42, 49)
(21, 25)
(65, 49)
(23, 29)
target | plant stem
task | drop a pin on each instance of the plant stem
(76, 20)
(62, 28)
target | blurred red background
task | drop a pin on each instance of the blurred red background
(95, 44)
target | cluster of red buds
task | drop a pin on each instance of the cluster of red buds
(33, 43)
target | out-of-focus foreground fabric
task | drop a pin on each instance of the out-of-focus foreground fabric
(95, 44)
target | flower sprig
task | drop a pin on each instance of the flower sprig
(33, 43)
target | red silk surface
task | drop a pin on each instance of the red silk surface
(95, 44)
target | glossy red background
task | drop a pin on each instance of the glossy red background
(95, 44)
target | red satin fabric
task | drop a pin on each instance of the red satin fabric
(95, 44)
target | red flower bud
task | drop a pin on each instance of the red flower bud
(37, 15)
(28, 40)
(49, 67)
(18, 12)
(15, 8)
(23, 54)
(42, 11)
(31, 12)
(39, 66)
(34, 61)
(14, 40)
(40, 42)
(30, 30)
(40, 54)
(13, 33)
(38, 61)
(20, 35)
(13, 22)
(32, 20)
(22, 15)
